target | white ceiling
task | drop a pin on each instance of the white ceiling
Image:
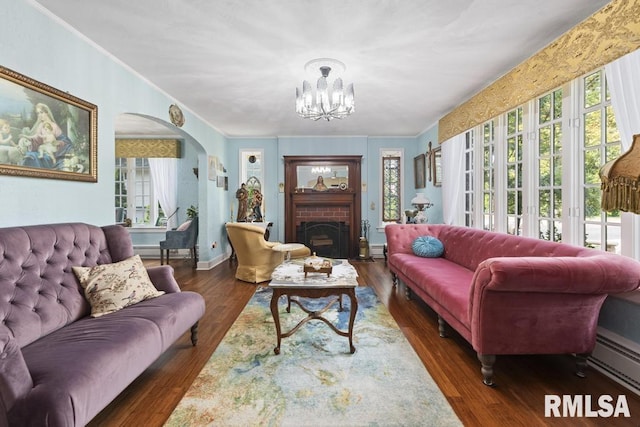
(236, 63)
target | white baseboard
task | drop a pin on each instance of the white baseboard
(618, 358)
(376, 250)
(153, 252)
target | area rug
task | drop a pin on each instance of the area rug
(315, 381)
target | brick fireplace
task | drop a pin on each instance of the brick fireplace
(325, 238)
(326, 221)
(324, 229)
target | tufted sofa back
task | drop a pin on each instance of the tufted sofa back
(38, 291)
(470, 246)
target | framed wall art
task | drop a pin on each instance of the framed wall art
(419, 170)
(44, 132)
(213, 168)
(434, 163)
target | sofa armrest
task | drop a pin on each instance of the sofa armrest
(532, 305)
(175, 237)
(162, 278)
(15, 379)
(599, 274)
(271, 245)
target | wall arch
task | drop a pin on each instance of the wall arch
(142, 126)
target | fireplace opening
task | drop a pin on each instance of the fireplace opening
(327, 239)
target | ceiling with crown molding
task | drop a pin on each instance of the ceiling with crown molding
(236, 64)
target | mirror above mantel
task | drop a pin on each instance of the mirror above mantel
(322, 177)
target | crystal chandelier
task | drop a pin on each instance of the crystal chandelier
(325, 104)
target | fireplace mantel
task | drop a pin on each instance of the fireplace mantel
(339, 202)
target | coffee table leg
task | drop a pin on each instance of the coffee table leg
(276, 317)
(352, 316)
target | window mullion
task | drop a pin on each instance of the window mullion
(499, 174)
(529, 199)
(572, 174)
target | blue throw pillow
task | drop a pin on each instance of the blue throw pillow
(428, 247)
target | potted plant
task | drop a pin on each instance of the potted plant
(192, 212)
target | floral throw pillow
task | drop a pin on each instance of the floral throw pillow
(111, 287)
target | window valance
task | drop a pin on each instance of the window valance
(605, 36)
(148, 148)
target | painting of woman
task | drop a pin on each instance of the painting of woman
(42, 132)
(320, 185)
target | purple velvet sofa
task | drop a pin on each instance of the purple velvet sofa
(508, 294)
(58, 366)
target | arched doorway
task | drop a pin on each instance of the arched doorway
(138, 196)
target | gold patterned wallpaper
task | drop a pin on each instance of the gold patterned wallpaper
(608, 34)
(148, 148)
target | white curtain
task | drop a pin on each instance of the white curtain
(453, 180)
(623, 77)
(164, 174)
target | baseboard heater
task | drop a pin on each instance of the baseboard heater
(618, 358)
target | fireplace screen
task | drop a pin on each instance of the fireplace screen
(326, 239)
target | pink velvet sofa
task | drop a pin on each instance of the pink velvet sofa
(508, 294)
(58, 365)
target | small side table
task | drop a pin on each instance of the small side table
(314, 292)
(289, 279)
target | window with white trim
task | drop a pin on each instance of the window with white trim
(551, 184)
(134, 192)
(469, 186)
(488, 176)
(514, 183)
(549, 166)
(391, 185)
(600, 143)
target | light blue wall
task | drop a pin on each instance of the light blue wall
(270, 187)
(622, 317)
(433, 193)
(368, 147)
(41, 48)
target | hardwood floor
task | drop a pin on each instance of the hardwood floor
(517, 400)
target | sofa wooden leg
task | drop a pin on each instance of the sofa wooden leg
(394, 279)
(194, 255)
(407, 292)
(442, 331)
(581, 364)
(487, 361)
(194, 334)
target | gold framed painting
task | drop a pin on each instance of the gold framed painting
(44, 132)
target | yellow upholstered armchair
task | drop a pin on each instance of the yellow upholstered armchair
(256, 258)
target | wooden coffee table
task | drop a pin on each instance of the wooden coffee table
(289, 279)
